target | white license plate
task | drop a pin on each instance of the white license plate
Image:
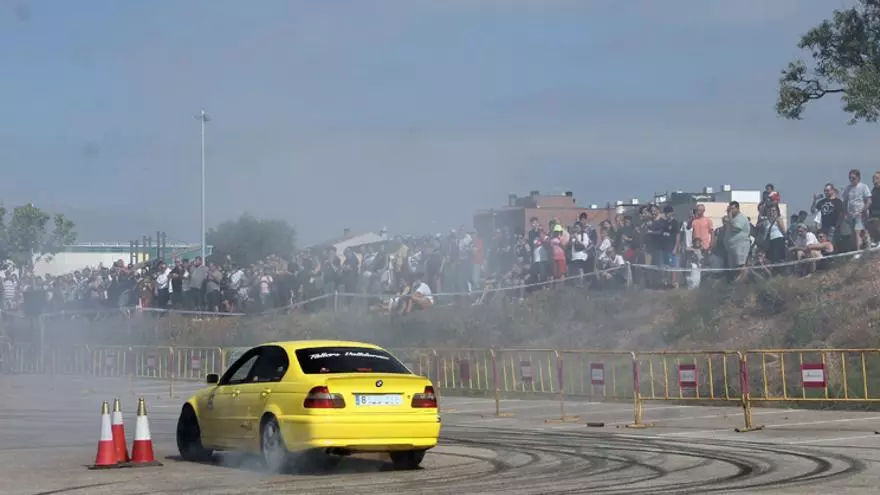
(377, 399)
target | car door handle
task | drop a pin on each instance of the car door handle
(265, 393)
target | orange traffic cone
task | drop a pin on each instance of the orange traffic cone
(142, 449)
(118, 428)
(106, 457)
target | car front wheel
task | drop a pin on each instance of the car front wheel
(409, 459)
(189, 437)
(275, 454)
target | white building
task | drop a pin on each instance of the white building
(78, 256)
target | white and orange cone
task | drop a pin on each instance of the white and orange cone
(118, 428)
(142, 449)
(106, 457)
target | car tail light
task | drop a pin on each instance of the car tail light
(321, 398)
(426, 399)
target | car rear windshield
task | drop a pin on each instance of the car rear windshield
(319, 360)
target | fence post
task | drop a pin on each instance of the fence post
(559, 372)
(498, 413)
(171, 368)
(746, 396)
(41, 321)
(637, 395)
(336, 301)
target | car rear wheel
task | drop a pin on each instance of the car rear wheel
(189, 437)
(409, 459)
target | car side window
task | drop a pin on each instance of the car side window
(271, 366)
(241, 369)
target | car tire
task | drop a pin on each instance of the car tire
(275, 455)
(189, 437)
(407, 459)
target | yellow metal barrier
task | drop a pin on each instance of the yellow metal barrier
(25, 358)
(692, 376)
(814, 375)
(417, 360)
(195, 363)
(527, 370)
(697, 377)
(597, 375)
(462, 369)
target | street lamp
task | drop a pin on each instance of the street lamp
(203, 117)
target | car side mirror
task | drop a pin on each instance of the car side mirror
(212, 378)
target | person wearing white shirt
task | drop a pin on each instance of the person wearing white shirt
(802, 248)
(419, 297)
(163, 286)
(580, 244)
(609, 260)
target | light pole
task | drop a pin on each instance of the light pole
(203, 117)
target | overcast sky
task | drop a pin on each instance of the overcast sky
(408, 114)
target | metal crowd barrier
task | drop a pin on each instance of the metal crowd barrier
(724, 377)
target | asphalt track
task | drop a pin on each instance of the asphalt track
(49, 430)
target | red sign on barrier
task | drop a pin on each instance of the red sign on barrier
(687, 375)
(464, 371)
(151, 361)
(196, 363)
(525, 371)
(813, 375)
(597, 373)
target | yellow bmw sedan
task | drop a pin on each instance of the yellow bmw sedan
(303, 403)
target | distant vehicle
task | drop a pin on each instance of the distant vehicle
(303, 404)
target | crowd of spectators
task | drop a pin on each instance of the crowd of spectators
(407, 273)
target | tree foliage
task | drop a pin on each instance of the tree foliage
(32, 234)
(845, 54)
(249, 239)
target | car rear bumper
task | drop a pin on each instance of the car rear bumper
(364, 434)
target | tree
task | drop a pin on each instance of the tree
(248, 239)
(32, 235)
(846, 61)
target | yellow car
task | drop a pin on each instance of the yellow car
(308, 402)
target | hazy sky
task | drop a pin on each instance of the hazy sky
(408, 114)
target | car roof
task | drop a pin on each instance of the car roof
(294, 345)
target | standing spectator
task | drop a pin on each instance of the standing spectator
(830, 209)
(558, 253)
(350, 271)
(767, 198)
(535, 231)
(580, 243)
(671, 244)
(540, 258)
(177, 275)
(233, 289)
(737, 240)
(702, 227)
(857, 201)
(213, 279)
(10, 291)
(775, 235)
(264, 283)
(655, 226)
(434, 266)
(626, 240)
(874, 211)
(163, 286)
(197, 275)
